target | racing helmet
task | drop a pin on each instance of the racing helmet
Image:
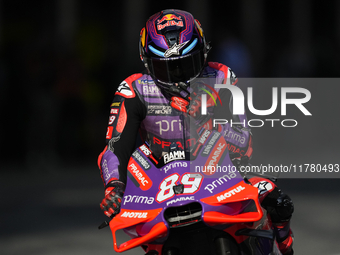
(173, 47)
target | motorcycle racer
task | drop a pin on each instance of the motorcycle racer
(158, 103)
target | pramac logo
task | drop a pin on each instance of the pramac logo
(139, 175)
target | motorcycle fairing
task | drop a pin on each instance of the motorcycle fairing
(224, 197)
(237, 193)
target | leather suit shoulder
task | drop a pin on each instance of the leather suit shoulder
(227, 72)
(125, 89)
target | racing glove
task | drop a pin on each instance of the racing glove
(188, 101)
(113, 198)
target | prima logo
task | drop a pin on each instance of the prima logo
(239, 138)
(172, 126)
(220, 181)
(138, 199)
(174, 165)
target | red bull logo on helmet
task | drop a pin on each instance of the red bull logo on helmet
(169, 17)
(171, 21)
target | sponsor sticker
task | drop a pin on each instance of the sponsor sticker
(180, 199)
(138, 173)
(169, 20)
(220, 181)
(142, 161)
(152, 90)
(115, 104)
(217, 153)
(230, 193)
(114, 111)
(139, 215)
(109, 132)
(138, 199)
(145, 150)
(210, 144)
(173, 155)
(159, 109)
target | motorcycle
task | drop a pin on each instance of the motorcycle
(192, 203)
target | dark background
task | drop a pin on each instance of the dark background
(60, 62)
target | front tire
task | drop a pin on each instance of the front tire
(226, 246)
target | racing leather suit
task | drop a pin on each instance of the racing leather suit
(140, 106)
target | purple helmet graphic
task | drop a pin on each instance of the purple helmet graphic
(173, 47)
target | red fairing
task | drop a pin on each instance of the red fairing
(263, 185)
(128, 218)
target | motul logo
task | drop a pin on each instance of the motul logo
(230, 193)
(139, 215)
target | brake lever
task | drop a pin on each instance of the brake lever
(103, 225)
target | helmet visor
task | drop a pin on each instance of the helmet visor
(177, 69)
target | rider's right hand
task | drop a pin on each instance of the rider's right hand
(113, 198)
